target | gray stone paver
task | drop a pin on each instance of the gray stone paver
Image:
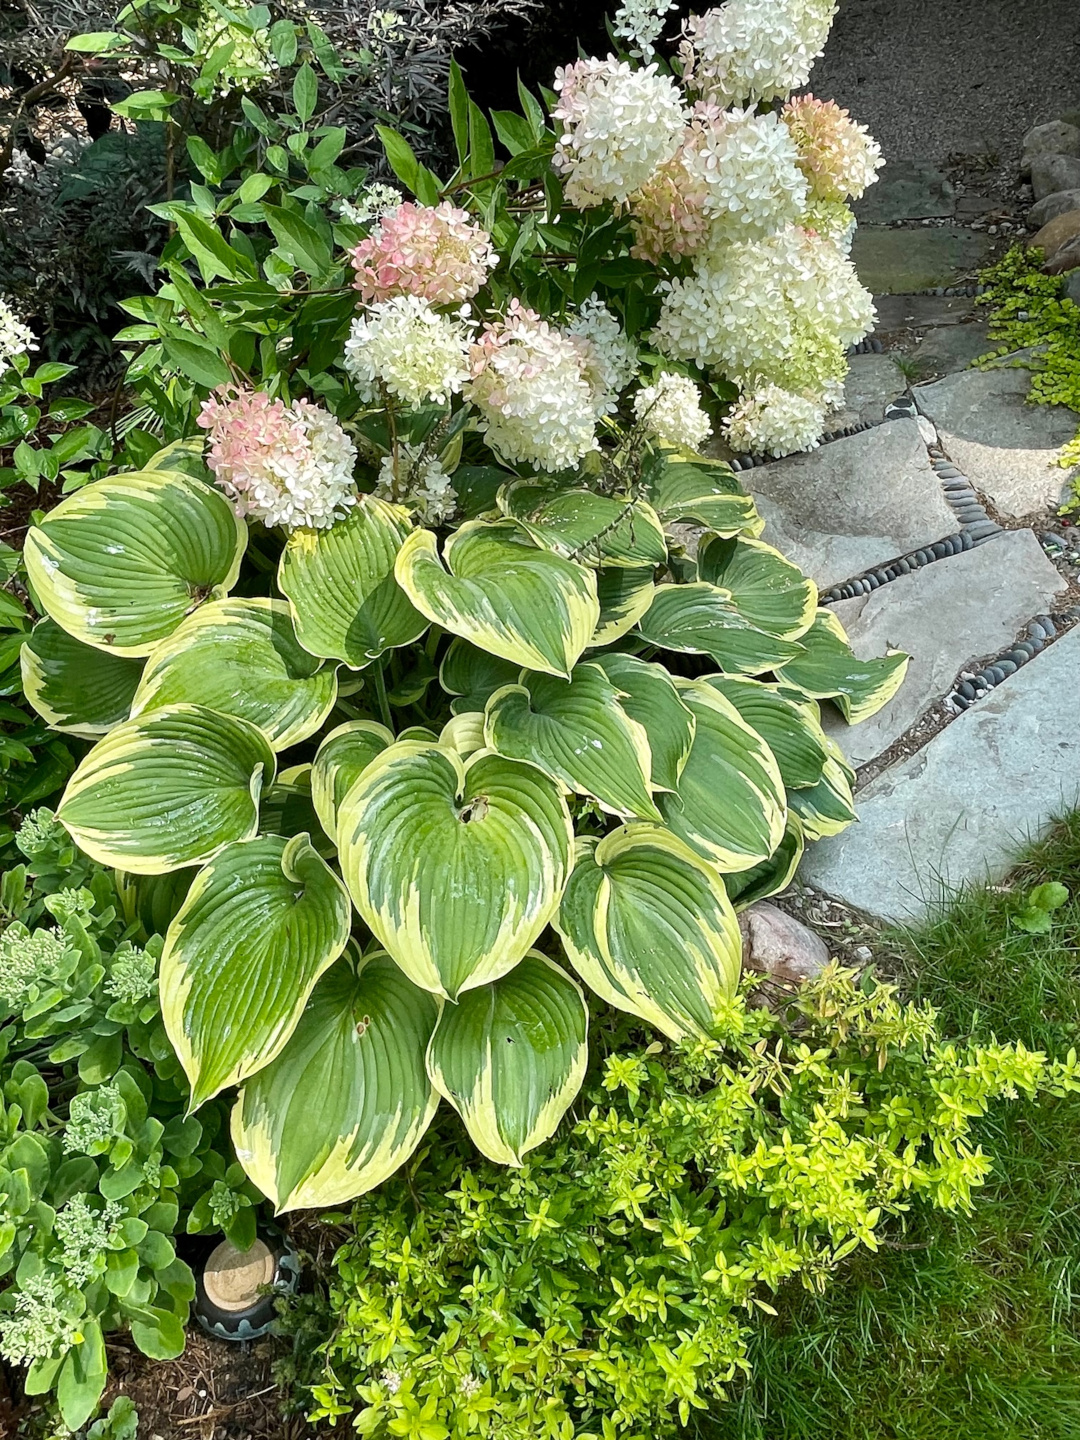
(907, 190)
(895, 262)
(872, 382)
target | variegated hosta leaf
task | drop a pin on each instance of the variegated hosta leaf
(340, 760)
(259, 926)
(772, 876)
(577, 731)
(796, 739)
(624, 597)
(511, 1057)
(648, 925)
(464, 733)
(701, 619)
(346, 604)
(829, 806)
(523, 604)
(690, 487)
(473, 676)
(730, 804)
(75, 687)
(287, 809)
(584, 526)
(649, 696)
(241, 657)
(123, 560)
(168, 789)
(768, 590)
(829, 670)
(153, 901)
(348, 1099)
(455, 865)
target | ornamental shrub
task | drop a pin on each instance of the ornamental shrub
(428, 513)
(607, 1287)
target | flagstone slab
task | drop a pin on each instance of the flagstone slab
(967, 607)
(953, 814)
(854, 503)
(895, 262)
(1006, 447)
(947, 349)
(906, 190)
(872, 382)
(918, 312)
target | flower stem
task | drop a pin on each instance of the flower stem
(380, 691)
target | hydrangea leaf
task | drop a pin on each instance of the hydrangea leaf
(523, 604)
(793, 736)
(828, 669)
(648, 925)
(577, 731)
(584, 526)
(693, 488)
(702, 619)
(624, 597)
(340, 759)
(648, 695)
(346, 604)
(242, 658)
(768, 590)
(510, 1057)
(260, 924)
(455, 865)
(121, 562)
(730, 804)
(168, 789)
(74, 687)
(348, 1099)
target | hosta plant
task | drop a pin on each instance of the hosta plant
(443, 682)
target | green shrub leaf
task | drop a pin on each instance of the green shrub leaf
(579, 524)
(768, 590)
(794, 737)
(648, 695)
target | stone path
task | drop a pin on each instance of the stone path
(928, 534)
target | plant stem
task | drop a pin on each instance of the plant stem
(380, 691)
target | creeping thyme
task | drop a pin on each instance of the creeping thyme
(37, 1328)
(85, 1234)
(133, 976)
(29, 964)
(95, 1118)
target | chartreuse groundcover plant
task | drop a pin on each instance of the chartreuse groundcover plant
(443, 680)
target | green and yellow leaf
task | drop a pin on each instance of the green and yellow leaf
(769, 591)
(794, 736)
(624, 597)
(702, 619)
(648, 695)
(340, 759)
(692, 488)
(828, 669)
(75, 687)
(472, 676)
(584, 526)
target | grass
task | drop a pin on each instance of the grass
(962, 1328)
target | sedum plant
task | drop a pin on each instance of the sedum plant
(546, 705)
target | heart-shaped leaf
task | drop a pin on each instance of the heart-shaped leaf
(794, 737)
(648, 695)
(828, 669)
(346, 604)
(340, 759)
(455, 865)
(730, 804)
(829, 806)
(702, 619)
(769, 591)
(241, 657)
(464, 733)
(153, 900)
(348, 1099)
(772, 876)
(624, 597)
(510, 1057)
(473, 676)
(576, 731)
(123, 560)
(648, 925)
(75, 687)
(168, 789)
(584, 526)
(523, 604)
(689, 487)
(287, 809)
(259, 926)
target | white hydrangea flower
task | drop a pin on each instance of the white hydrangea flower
(610, 356)
(421, 484)
(15, 337)
(751, 50)
(419, 355)
(371, 204)
(641, 22)
(618, 126)
(671, 410)
(774, 421)
(823, 285)
(38, 1327)
(746, 168)
(530, 387)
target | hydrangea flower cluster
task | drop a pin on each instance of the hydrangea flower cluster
(418, 354)
(670, 409)
(249, 63)
(838, 157)
(746, 166)
(30, 963)
(668, 212)
(15, 337)
(618, 125)
(95, 1119)
(774, 421)
(85, 1235)
(530, 387)
(288, 465)
(433, 252)
(132, 976)
(752, 50)
(609, 356)
(371, 204)
(418, 482)
(641, 22)
(38, 1327)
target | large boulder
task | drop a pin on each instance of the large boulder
(1051, 206)
(1066, 258)
(1057, 233)
(1056, 138)
(1051, 173)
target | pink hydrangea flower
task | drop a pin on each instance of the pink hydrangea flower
(433, 252)
(838, 157)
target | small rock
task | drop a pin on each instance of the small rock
(1053, 205)
(864, 954)
(1056, 138)
(780, 946)
(1051, 173)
